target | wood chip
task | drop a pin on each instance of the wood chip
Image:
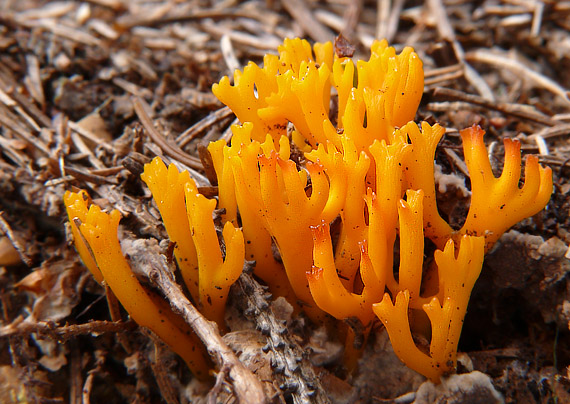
(89, 135)
(50, 10)
(104, 29)
(229, 54)
(66, 32)
(33, 80)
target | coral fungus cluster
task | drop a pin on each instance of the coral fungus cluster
(367, 167)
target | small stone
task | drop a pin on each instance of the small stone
(473, 388)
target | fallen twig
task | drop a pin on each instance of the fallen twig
(200, 126)
(502, 62)
(170, 150)
(295, 374)
(247, 387)
(20, 327)
(446, 31)
(304, 16)
(508, 109)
